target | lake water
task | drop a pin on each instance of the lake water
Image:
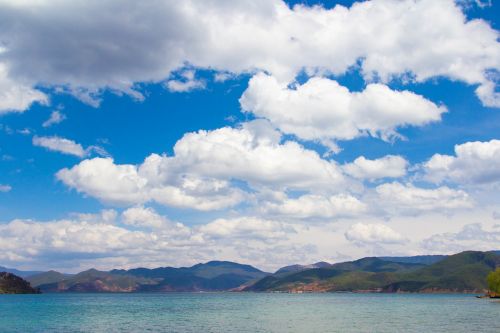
(247, 312)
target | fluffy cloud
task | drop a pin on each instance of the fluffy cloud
(316, 206)
(323, 110)
(411, 199)
(204, 165)
(372, 233)
(130, 42)
(125, 184)
(61, 145)
(389, 166)
(246, 228)
(144, 217)
(473, 163)
(140, 236)
(55, 118)
(16, 96)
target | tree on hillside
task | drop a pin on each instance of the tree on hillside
(494, 282)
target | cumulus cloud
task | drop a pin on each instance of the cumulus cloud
(389, 166)
(130, 42)
(246, 228)
(362, 234)
(140, 236)
(55, 118)
(407, 198)
(5, 188)
(205, 163)
(323, 110)
(16, 96)
(316, 206)
(147, 217)
(474, 163)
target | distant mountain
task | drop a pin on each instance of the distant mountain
(297, 268)
(17, 272)
(47, 278)
(93, 280)
(210, 276)
(337, 277)
(462, 272)
(465, 271)
(13, 284)
(426, 260)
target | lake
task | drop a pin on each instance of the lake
(247, 312)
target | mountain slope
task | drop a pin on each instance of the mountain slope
(210, 276)
(93, 280)
(47, 278)
(19, 273)
(297, 267)
(465, 271)
(425, 259)
(13, 284)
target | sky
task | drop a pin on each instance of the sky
(168, 133)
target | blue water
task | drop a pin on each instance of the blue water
(247, 312)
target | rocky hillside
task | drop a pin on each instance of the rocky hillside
(13, 284)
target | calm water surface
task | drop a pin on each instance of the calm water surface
(247, 312)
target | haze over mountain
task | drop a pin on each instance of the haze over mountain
(462, 272)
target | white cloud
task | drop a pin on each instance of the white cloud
(66, 146)
(411, 199)
(147, 217)
(362, 234)
(89, 242)
(323, 110)
(55, 118)
(126, 184)
(145, 43)
(246, 228)
(311, 206)
(389, 166)
(61, 145)
(186, 83)
(253, 153)
(106, 216)
(205, 163)
(16, 96)
(471, 237)
(5, 188)
(474, 163)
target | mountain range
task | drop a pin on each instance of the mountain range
(463, 272)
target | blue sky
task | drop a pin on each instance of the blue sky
(132, 88)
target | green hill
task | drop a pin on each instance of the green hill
(93, 280)
(13, 284)
(47, 278)
(210, 276)
(463, 272)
